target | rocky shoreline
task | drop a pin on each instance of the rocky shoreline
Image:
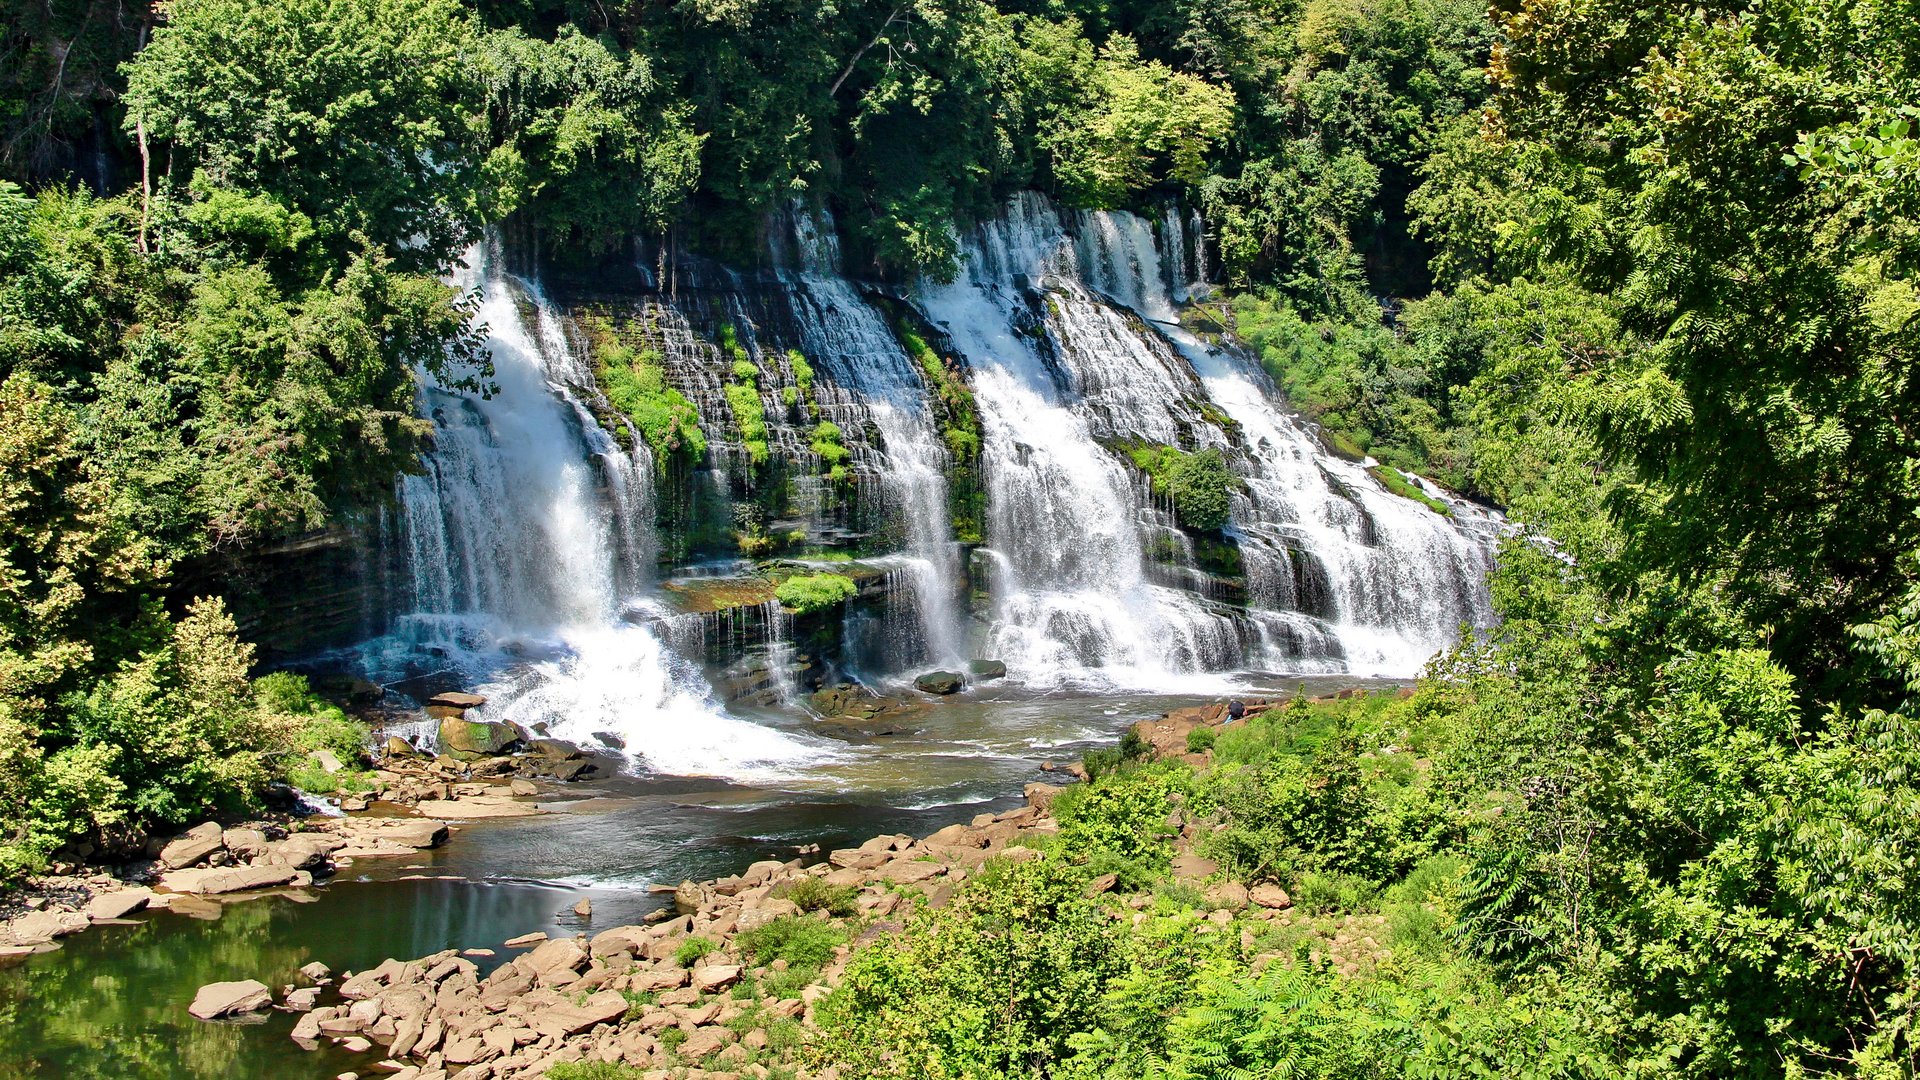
(700, 990)
(412, 799)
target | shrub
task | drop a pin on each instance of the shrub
(1199, 484)
(994, 984)
(805, 942)
(692, 950)
(1119, 822)
(814, 894)
(804, 594)
(1200, 740)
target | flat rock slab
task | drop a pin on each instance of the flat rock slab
(478, 806)
(214, 882)
(41, 927)
(117, 904)
(568, 1019)
(230, 998)
(458, 700)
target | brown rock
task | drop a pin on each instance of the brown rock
(228, 998)
(41, 927)
(1228, 894)
(584, 908)
(567, 1019)
(1040, 796)
(525, 940)
(229, 879)
(190, 849)
(715, 977)
(1192, 868)
(458, 700)
(1269, 895)
(909, 871)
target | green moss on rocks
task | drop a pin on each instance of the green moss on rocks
(1397, 482)
(1198, 484)
(805, 594)
(635, 384)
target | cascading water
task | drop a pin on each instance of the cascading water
(855, 348)
(1072, 589)
(1342, 575)
(1401, 580)
(528, 544)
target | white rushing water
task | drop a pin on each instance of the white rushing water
(1052, 314)
(529, 547)
(852, 345)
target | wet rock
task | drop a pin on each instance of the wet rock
(457, 699)
(230, 998)
(316, 972)
(399, 747)
(555, 749)
(570, 771)
(987, 669)
(584, 908)
(525, 940)
(940, 682)
(477, 737)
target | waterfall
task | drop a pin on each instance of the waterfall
(1069, 327)
(1401, 579)
(528, 543)
(1073, 595)
(855, 348)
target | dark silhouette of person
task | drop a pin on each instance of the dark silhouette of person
(1236, 710)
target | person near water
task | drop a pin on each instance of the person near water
(1236, 710)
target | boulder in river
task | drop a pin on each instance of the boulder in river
(987, 669)
(478, 737)
(230, 998)
(939, 682)
(457, 699)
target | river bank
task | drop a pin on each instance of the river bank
(720, 984)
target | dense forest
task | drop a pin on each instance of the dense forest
(1642, 274)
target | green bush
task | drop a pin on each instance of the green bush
(833, 453)
(693, 949)
(1199, 485)
(814, 894)
(994, 984)
(805, 594)
(805, 942)
(1200, 740)
(1120, 821)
